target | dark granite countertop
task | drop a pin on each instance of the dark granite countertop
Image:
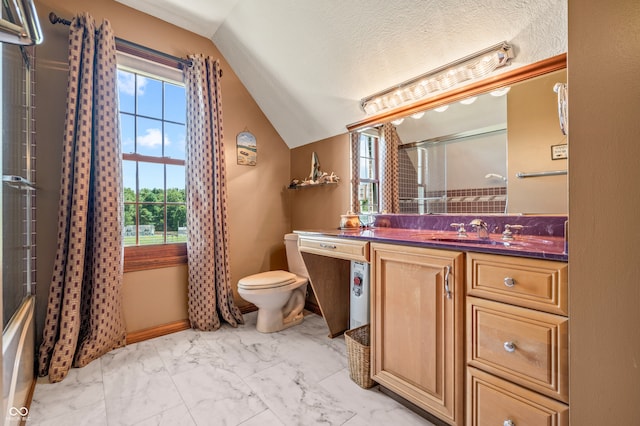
(542, 236)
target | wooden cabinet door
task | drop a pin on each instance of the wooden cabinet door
(417, 326)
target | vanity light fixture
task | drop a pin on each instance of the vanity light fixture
(472, 67)
(469, 101)
(442, 108)
(418, 115)
(398, 121)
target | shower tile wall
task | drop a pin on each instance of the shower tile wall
(477, 200)
(407, 183)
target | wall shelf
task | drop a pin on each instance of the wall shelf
(311, 185)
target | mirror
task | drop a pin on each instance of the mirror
(467, 159)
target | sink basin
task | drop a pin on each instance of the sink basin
(518, 243)
(469, 241)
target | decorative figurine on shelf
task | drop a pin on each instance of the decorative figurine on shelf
(316, 177)
(315, 168)
(294, 184)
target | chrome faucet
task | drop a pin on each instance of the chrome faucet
(481, 227)
(507, 235)
(462, 233)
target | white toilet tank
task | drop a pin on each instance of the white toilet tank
(294, 258)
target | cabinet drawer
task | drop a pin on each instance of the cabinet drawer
(525, 346)
(334, 247)
(532, 283)
(492, 401)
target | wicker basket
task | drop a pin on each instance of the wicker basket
(359, 354)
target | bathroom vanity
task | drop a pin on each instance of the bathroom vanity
(473, 331)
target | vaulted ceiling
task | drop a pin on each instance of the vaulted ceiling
(308, 63)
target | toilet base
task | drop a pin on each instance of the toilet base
(272, 322)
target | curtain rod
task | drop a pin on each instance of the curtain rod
(135, 48)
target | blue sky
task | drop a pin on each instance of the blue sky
(148, 131)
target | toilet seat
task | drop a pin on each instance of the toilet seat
(266, 280)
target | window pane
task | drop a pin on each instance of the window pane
(367, 146)
(126, 91)
(149, 95)
(176, 223)
(128, 133)
(151, 228)
(149, 137)
(175, 107)
(129, 180)
(367, 168)
(364, 173)
(152, 124)
(130, 224)
(363, 147)
(175, 183)
(151, 181)
(374, 206)
(368, 197)
(174, 141)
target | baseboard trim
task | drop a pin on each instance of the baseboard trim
(173, 327)
(161, 330)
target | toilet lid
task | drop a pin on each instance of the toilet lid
(269, 279)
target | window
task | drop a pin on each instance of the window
(368, 194)
(153, 133)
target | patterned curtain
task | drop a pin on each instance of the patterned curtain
(84, 317)
(355, 171)
(210, 293)
(389, 142)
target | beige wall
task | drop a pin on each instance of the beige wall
(532, 128)
(321, 207)
(142, 311)
(258, 206)
(604, 206)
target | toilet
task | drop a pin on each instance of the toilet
(279, 295)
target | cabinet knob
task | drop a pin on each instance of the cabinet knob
(508, 422)
(509, 282)
(509, 347)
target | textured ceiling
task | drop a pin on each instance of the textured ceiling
(308, 63)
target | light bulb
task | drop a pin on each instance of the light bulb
(398, 121)
(469, 101)
(442, 108)
(418, 115)
(501, 91)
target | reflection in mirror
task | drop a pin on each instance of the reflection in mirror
(466, 158)
(454, 161)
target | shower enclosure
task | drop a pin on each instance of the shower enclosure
(19, 29)
(18, 226)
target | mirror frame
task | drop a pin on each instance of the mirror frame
(508, 78)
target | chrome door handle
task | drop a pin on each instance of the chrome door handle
(447, 273)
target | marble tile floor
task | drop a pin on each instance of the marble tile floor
(234, 376)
